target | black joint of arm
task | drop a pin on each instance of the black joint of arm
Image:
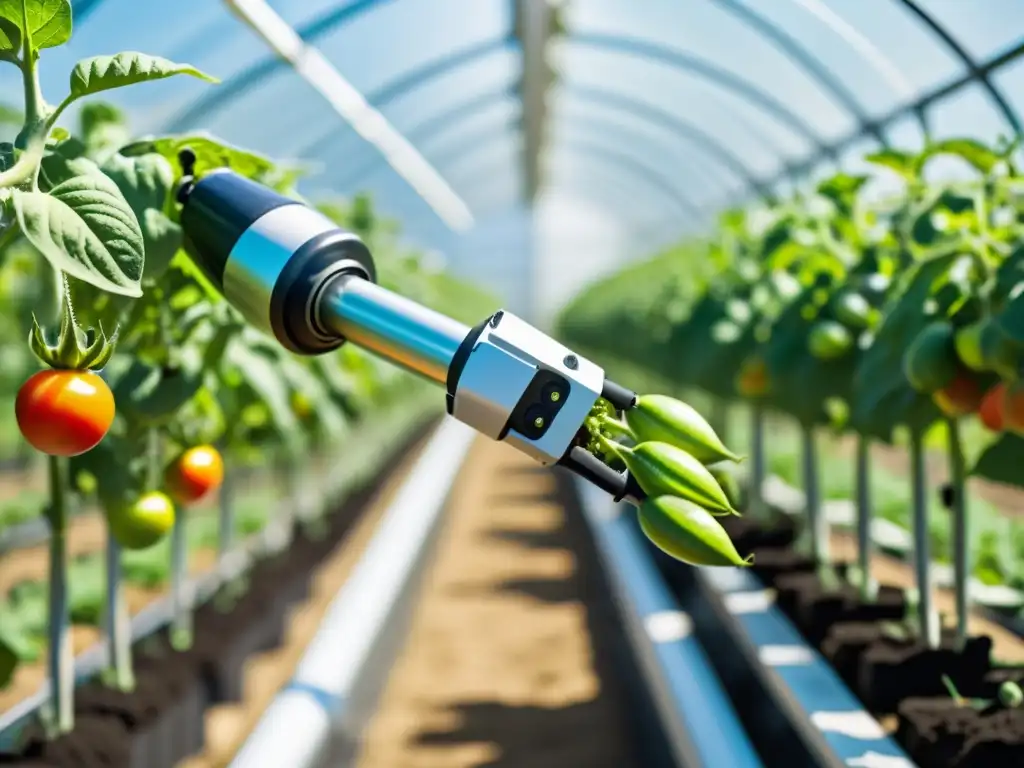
(623, 399)
(582, 462)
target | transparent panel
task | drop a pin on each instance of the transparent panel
(691, 166)
(883, 53)
(761, 141)
(966, 114)
(983, 28)
(632, 192)
(706, 31)
(710, 172)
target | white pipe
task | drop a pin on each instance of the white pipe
(297, 725)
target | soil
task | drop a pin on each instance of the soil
(162, 722)
(505, 665)
(893, 674)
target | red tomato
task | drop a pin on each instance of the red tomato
(194, 474)
(991, 411)
(64, 413)
(1013, 408)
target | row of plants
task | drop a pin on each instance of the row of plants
(873, 316)
(152, 390)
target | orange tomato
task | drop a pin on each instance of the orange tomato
(194, 474)
(991, 411)
(64, 413)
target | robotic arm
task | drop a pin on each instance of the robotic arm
(296, 275)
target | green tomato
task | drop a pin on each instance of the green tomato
(853, 311)
(930, 363)
(143, 523)
(829, 340)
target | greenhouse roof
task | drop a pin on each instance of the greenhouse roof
(659, 116)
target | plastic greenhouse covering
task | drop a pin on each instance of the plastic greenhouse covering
(759, 271)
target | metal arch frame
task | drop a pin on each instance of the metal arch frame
(466, 143)
(977, 71)
(639, 168)
(434, 125)
(805, 60)
(627, 133)
(237, 85)
(673, 123)
(80, 9)
(420, 75)
(927, 100)
(684, 62)
(613, 100)
(483, 176)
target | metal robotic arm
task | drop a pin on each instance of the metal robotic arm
(296, 275)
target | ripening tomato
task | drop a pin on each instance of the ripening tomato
(1013, 408)
(64, 413)
(960, 397)
(991, 411)
(142, 524)
(194, 474)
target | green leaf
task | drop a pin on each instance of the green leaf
(150, 395)
(210, 154)
(163, 238)
(903, 163)
(144, 181)
(49, 22)
(104, 73)
(1000, 462)
(86, 228)
(971, 151)
(10, 35)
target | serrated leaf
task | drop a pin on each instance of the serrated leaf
(10, 35)
(49, 22)
(144, 181)
(971, 151)
(86, 228)
(104, 73)
(903, 163)
(150, 395)
(163, 238)
(210, 152)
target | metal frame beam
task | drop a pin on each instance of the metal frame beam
(805, 60)
(533, 27)
(705, 70)
(216, 99)
(426, 72)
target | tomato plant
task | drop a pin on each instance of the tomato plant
(882, 318)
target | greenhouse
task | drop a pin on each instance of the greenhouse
(512, 384)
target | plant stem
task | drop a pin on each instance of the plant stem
(927, 618)
(120, 673)
(181, 621)
(757, 464)
(961, 544)
(865, 546)
(61, 654)
(817, 523)
(226, 514)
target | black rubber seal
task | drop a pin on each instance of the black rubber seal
(297, 289)
(218, 209)
(623, 399)
(461, 357)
